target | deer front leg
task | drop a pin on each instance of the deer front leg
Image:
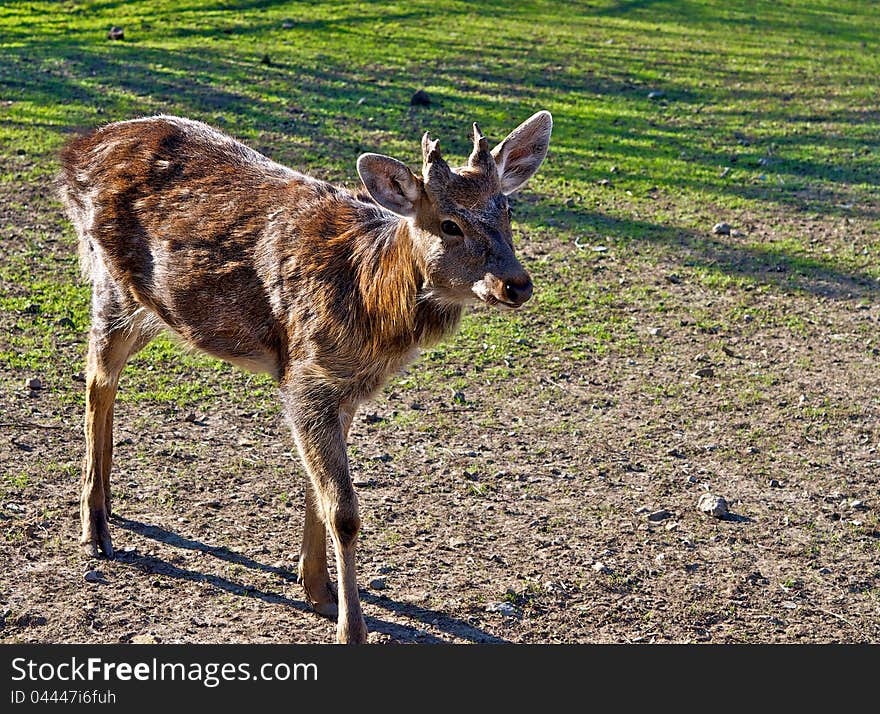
(115, 335)
(95, 497)
(319, 427)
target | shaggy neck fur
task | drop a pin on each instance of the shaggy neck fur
(391, 275)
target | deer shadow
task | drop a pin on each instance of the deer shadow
(401, 633)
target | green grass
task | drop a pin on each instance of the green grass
(763, 110)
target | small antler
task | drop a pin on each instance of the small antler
(435, 169)
(430, 149)
(480, 143)
(481, 157)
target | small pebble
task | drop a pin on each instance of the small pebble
(33, 383)
(377, 584)
(600, 567)
(505, 608)
(660, 515)
(713, 505)
(721, 229)
(93, 576)
(704, 372)
(28, 620)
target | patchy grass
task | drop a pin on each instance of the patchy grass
(662, 126)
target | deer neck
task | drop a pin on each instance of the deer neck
(391, 276)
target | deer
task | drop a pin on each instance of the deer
(329, 290)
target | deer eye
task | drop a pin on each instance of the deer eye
(451, 228)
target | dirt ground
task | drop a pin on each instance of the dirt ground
(552, 503)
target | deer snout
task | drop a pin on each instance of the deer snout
(518, 290)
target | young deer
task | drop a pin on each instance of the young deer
(327, 290)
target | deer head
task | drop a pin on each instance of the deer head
(460, 217)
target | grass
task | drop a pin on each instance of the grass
(668, 117)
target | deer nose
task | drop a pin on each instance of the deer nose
(518, 291)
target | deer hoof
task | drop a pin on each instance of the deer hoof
(330, 610)
(98, 548)
(96, 536)
(323, 599)
(107, 546)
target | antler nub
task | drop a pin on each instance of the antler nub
(480, 143)
(430, 149)
(435, 170)
(481, 157)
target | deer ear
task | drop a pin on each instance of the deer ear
(519, 156)
(390, 183)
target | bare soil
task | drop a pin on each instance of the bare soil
(565, 487)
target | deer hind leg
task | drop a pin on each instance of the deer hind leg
(118, 331)
(313, 573)
(319, 426)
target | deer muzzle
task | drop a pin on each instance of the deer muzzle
(509, 293)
